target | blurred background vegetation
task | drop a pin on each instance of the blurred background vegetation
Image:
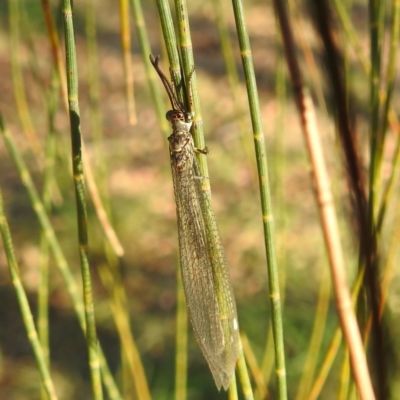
(130, 164)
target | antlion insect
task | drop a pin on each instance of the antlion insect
(205, 277)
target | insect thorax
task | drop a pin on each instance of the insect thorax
(181, 147)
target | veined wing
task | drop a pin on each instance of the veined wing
(205, 277)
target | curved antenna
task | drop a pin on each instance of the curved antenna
(175, 103)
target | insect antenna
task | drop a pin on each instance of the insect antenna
(175, 103)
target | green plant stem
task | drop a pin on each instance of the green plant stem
(186, 47)
(391, 261)
(48, 186)
(376, 14)
(375, 139)
(171, 46)
(150, 73)
(244, 376)
(233, 79)
(266, 206)
(390, 77)
(232, 390)
(24, 304)
(345, 373)
(267, 364)
(278, 171)
(58, 254)
(77, 167)
(181, 341)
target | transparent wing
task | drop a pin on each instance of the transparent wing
(205, 277)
